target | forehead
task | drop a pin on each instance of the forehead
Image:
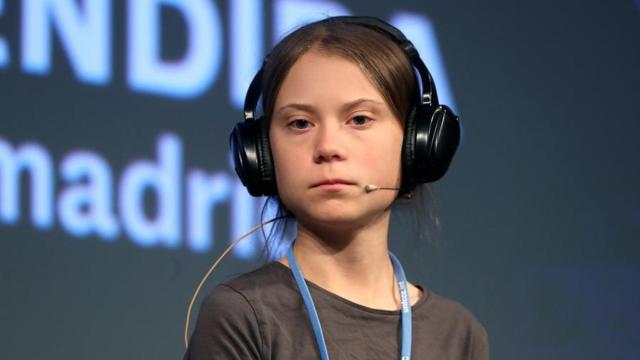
(326, 79)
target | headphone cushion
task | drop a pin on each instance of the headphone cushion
(408, 152)
(245, 151)
(436, 142)
(267, 168)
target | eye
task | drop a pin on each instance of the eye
(299, 124)
(360, 120)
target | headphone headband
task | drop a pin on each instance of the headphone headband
(428, 96)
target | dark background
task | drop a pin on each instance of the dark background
(540, 210)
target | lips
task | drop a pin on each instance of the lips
(333, 182)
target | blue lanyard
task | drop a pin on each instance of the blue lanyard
(315, 322)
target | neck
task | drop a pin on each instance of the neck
(352, 264)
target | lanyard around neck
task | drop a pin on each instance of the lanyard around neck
(405, 353)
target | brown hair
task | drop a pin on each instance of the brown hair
(377, 55)
(383, 62)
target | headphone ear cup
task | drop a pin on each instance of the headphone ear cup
(251, 156)
(436, 141)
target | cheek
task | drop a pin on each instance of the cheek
(285, 160)
(383, 164)
(287, 171)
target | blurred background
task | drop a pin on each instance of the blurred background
(116, 192)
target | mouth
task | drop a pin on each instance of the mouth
(333, 183)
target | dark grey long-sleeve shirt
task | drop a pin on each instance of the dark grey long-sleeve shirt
(261, 315)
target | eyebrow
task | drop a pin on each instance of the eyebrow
(345, 107)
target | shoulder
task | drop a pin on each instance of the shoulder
(262, 278)
(229, 318)
(453, 312)
(270, 282)
(240, 296)
(246, 297)
(456, 323)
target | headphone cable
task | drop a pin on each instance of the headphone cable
(206, 276)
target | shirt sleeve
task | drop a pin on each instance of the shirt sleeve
(226, 329)
(478, 343)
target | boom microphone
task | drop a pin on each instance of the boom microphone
(370, 188)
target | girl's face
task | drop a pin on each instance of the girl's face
(331, 134)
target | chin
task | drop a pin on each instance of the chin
(342, 217)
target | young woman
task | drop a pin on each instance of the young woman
(347, 132)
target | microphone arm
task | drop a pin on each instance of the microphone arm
(370, 188)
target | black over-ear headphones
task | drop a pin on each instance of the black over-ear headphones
(431, 132)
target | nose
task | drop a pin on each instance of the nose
(329, 145)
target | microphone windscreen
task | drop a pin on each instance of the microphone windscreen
(369, 188)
